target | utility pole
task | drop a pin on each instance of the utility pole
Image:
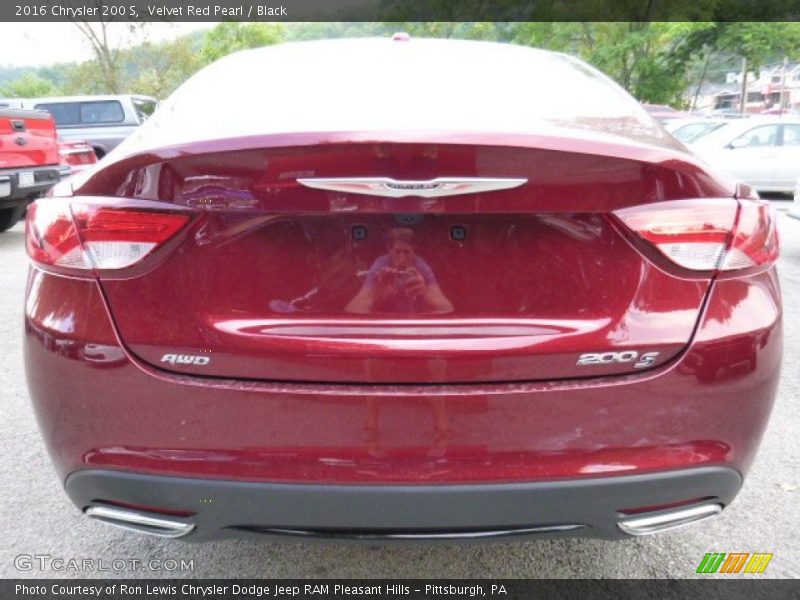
(783, 84)
(743, 99)
(700, 83)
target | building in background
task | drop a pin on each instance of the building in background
(765, 91)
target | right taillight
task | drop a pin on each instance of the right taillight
(707, 235)
(84, 236)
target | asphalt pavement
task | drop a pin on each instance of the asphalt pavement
(37, 519)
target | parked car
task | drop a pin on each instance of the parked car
(692, 128)
(762, 151)
(75, 156)
(103, 121)
(664, 113)
(729, 113)
(28, 161)
(423, 310)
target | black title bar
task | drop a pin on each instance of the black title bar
(398, 10)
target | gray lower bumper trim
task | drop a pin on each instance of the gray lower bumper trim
(44, 179)
(589, 507)
(431, 535)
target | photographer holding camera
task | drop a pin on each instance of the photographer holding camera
(400, 281)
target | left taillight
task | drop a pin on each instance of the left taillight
(76, 236)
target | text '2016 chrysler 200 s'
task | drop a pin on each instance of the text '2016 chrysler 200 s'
(380, 290)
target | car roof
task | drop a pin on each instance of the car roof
(659, 108)
(674, 124)
(373, 84)
(83, 98)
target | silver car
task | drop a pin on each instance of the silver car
(103, 121)
(761, 151)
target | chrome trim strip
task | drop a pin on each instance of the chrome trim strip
(394, 188)
(671, 520)
(136, 521)
(72, 151)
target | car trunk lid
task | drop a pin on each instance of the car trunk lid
(537, 281)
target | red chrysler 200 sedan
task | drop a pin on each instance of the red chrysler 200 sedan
(393, 290)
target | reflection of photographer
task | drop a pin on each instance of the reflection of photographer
(400, 281)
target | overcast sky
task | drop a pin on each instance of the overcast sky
(38, 44)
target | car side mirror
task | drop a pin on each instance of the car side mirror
(738, 143)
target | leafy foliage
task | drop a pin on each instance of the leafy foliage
(226, 38)
(657, 62)
(157, 69)
(29, 85)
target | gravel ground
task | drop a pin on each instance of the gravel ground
(37, 518)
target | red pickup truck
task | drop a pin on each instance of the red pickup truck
(29, 160)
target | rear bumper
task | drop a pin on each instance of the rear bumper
(349, 456)
(12, 194)
(223, 509)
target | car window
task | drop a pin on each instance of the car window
(766, 135)
(84, 113)
(64, 113)
(791, 135)
(144, 107)
(692, 131)
(102, 112)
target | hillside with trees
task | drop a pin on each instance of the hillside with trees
(658, 62)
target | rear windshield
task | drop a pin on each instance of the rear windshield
(380, 85)
(84, 113)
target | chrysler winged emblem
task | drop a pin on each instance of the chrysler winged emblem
(393, 188)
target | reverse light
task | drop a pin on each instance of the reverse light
(707, 235)
(86, 236)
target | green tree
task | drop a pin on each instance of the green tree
(29, 85)
(334, 30)
(107, 40)
(84, 78)
(643, 57)
(157, 69)
(226, 38)
(464, 31)
(724, 45)
(759, 43)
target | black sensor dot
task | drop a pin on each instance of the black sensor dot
(458, 233)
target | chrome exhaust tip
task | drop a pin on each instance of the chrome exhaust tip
(139, 521)
(646, 525)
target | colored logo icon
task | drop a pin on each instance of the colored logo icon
(734, 562)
